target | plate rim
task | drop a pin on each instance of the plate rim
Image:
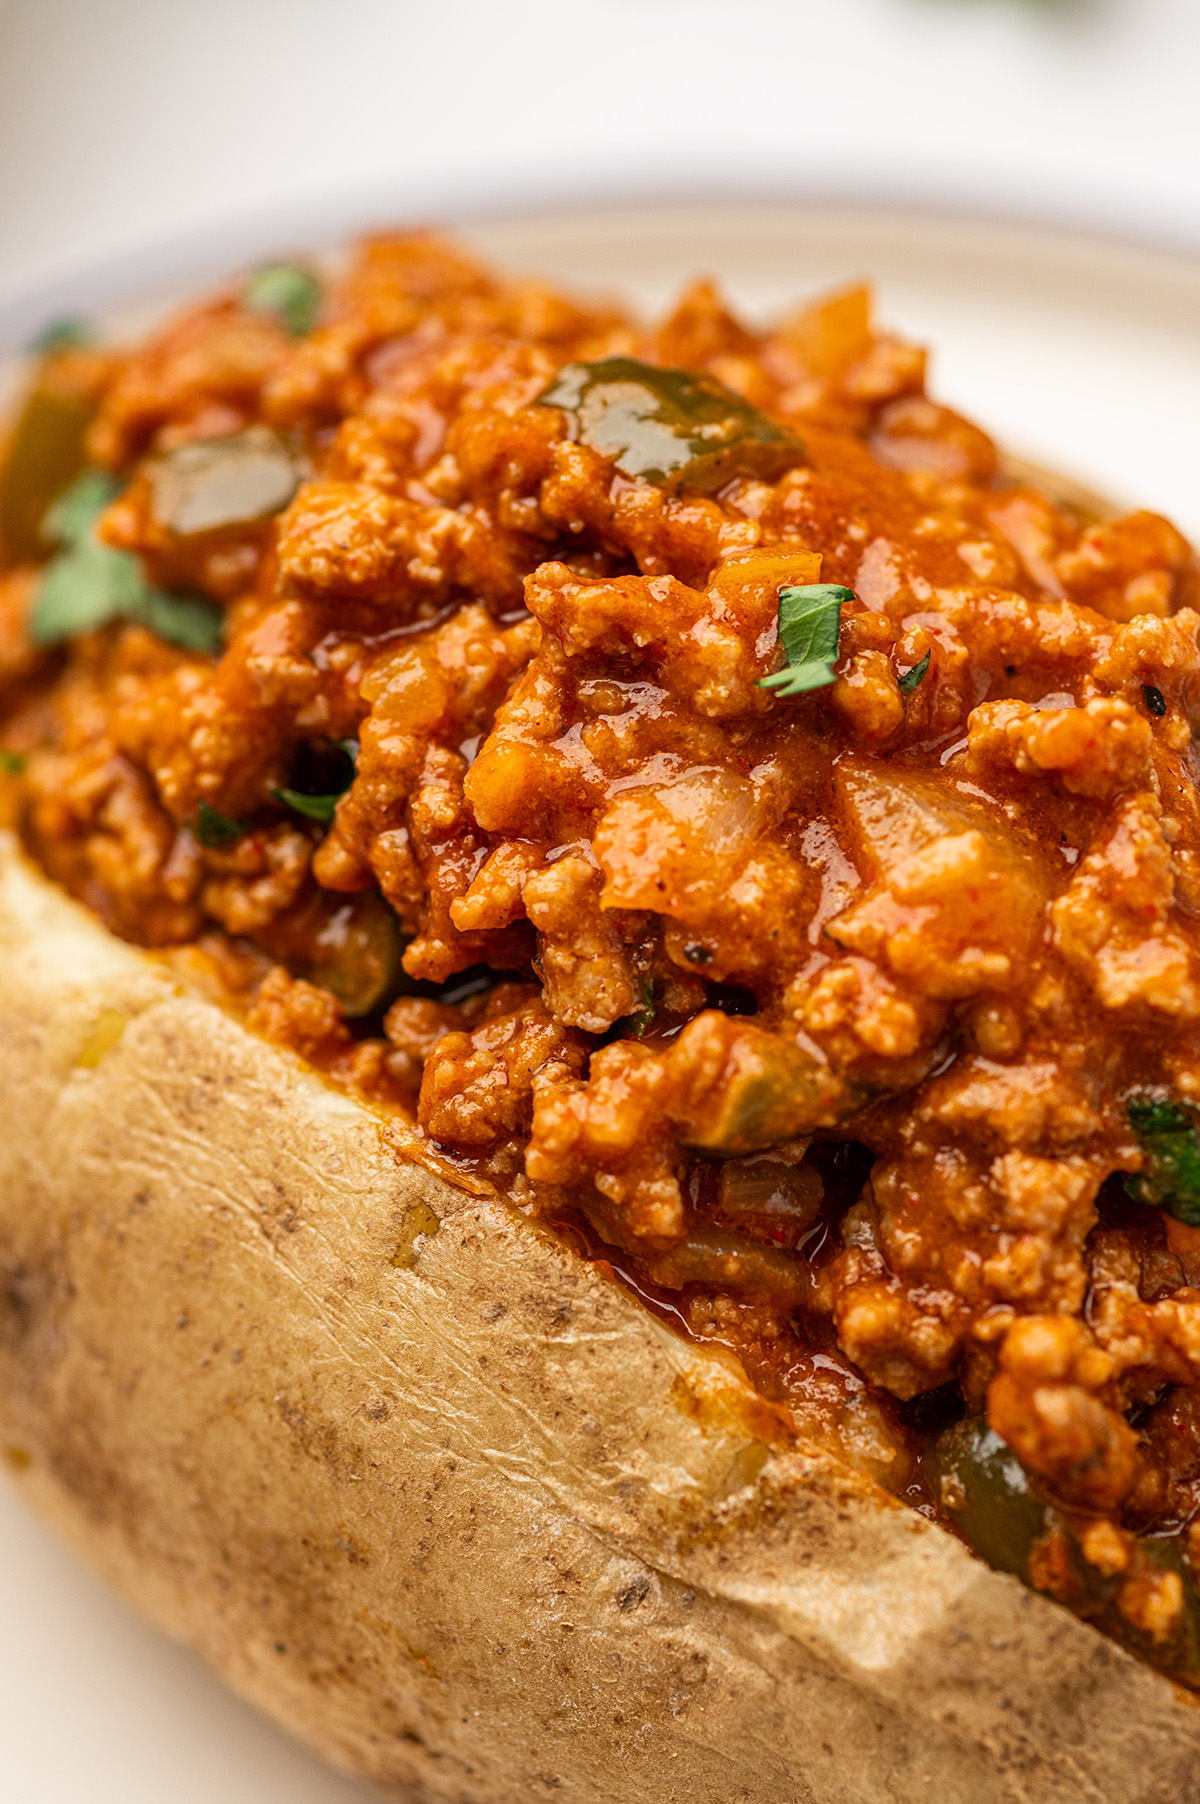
(156, 264)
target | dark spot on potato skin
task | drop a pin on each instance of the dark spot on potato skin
(632, 1594)
(24, 1290)
(58, 1424)
(35, 1295)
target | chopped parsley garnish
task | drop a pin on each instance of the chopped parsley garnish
(13, 763)
(313, 808)
(214, 829)
(66, 334)
(184, 620)
(1154, 699)
(289, 291)
(810, 621)
(72, 514)
(1171, 1175)
(913, 678)
(327, 770)
(642, 1018)
(90, 584)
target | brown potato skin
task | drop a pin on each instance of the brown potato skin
(476, 1527)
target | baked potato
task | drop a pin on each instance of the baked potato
(440, 1498)
(445, 1280)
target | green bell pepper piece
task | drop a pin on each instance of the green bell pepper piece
(669, 427)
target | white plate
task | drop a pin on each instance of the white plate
(1082, 355)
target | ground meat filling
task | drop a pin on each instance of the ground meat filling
(858, 1028)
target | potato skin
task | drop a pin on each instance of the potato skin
(474, 1526)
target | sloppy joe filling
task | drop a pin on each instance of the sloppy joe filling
(684, 773)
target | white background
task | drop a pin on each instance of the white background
(128, 123)
(128, 120)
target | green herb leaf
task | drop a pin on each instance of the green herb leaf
(313, 808)
(185, 620)
(1171, 1177)
(214, 829)
(913, 678)
(810, 621)
(13, 763)
(71, 516)
(88, 584)
(82, 589)
(1156, 1115)
(326, 779)
(62, 335)
(642, 1018)
(289, 291)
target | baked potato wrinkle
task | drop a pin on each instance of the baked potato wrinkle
(474, 1524)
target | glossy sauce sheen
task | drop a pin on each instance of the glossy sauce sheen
(817, 1015)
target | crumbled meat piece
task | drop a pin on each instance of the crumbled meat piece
(1117, 921)
(478, 1087)
(1047, 1404)
(301, 1016)
(1097, 750)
